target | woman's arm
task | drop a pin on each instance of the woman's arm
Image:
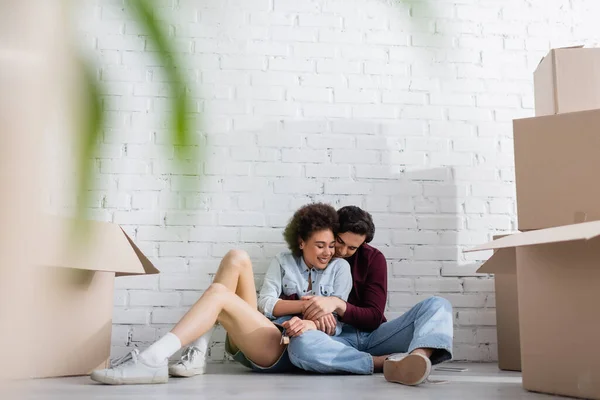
(270, 290)
(288, 307)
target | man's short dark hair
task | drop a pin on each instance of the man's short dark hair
(356, 220)
(307, 220)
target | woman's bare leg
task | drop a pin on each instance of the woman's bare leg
(252, 332)
(235, 272)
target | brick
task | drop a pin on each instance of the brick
(313, 50)
(405, 300)
(356, 96)
(148, 298)
(400, 97)
(298, 186)
(245, 184)
(416, 268)
(167, 315)
(130, 316)
(308, 6)
(260, 93)
(276, 108)
(422, 112)
(465, 300)
(304, 156)
(293, 34)
(280, 139)
(338, 66)
(328, 171)
(183, 282)
(319, 20)
(185, 218)
(451, 159)
(178, 249)
(272, 78)
(415, 237)
(438, 285)
(478, 285)
(363, 52)
(480, 317)
(440, 222)
(396, 285)
(213, 234)
(329, 35)
(138, 217)
(453, 269)
(376, 111)
(143, 334)
(436, 253)
(304, 94)
(494, 190)
(160, 233)
(278, 169)
(377, 171)
(137, 282)
(396, 252)
(254, 154)
(331, 141)
(261, 235)
(394, 221)
(218, 167)
(387, 38)
(347, 187)
(356, 156)
(334, 80)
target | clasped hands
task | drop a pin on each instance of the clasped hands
(317, 314)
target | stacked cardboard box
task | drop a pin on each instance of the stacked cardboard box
(557, 253)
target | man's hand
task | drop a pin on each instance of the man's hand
(317, 307)
(327, 324)
(296, 326)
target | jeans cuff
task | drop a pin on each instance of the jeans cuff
(440, 354)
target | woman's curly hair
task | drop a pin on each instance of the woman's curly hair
(307, 220)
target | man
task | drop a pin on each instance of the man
(367, 343)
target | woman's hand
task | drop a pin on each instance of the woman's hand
(327, 324)
(296, 326)
(316, 307)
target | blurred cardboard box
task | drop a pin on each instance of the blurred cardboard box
(72, 291)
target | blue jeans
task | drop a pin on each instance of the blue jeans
(429, 324)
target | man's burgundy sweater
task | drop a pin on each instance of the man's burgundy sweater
(366, 303)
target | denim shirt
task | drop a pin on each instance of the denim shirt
(288, 275)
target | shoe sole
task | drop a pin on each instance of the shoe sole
(187, 373)
(412, 370)
(132, 381)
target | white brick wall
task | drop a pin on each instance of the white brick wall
(403, 108)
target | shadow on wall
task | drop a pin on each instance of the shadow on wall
(423, 235)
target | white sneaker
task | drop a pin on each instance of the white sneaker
(131, 370)
(192, 362)
(407, 369)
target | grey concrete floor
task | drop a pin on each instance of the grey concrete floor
(481, 381)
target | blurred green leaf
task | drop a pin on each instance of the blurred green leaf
(157, 35)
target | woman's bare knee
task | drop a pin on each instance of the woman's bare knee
(216, 288)
(238, 257)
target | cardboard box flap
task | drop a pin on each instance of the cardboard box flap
(501, 262)
(102, 246)
(584, 231)
(149, 268)
(552, 51)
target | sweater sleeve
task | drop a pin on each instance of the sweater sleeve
(369, 315)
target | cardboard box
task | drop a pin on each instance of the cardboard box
(503, 264)
(567, 80)
(556, 169)
(73, 295)
(558, 283)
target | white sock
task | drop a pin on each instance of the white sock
(203, 341)
(161, 350)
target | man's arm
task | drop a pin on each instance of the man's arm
(369, 315)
